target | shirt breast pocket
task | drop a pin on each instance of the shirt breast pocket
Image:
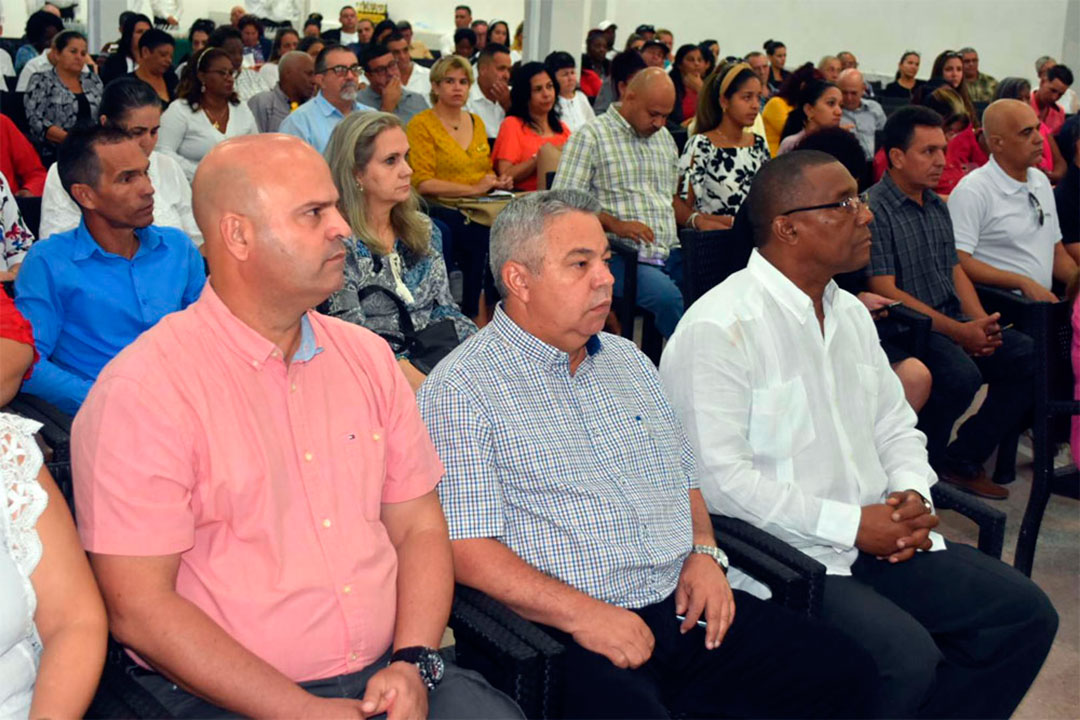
(365, 452)
(780, 423)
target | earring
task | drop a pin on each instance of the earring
(360, 186)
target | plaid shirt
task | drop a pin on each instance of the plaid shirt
(586, 477)
(633, 177)
(915, 245)
(982, 88)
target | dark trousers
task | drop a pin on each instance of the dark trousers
(461, 694)
(772, 663)
(470, 255)
(954, 634)
(658, 289)
(957, 377)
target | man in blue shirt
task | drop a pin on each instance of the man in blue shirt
(571, 496)
(90, 291)
(336, 74)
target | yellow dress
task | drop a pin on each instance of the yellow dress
(774, 116)
(434, 155)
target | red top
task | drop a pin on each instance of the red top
(963, 154)
(590, 83)
(1051, 114)
(13, 326)
(19, 162)
(689, 103)
(518, 142)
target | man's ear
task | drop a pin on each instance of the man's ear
(84, 196)
(783, 230)
(237, 234)
(896, 157)
(516, 279)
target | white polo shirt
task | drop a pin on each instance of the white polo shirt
(996, 220)
(490, 112)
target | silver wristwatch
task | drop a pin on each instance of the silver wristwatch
(715, 553)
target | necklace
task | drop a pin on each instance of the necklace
(450, 124)
(217, 123)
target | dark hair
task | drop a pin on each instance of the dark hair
(314, 19)
(124, 94)
(624, 66)
(395, 36)
(77, 161)
(282, 31)
(650, 44)
(521, 92)
(709, 113)
(39, 22)
(201, 25)
(129, 32)
(559, 60)
(320, 59)
(63, 38)
(465, 34)
(771, 46)
(811, 92)
(1011, 88)
(474, 23)
(246, 20)
(123, 18)
(345, 7)
(404, 25)
(373, 52)
(843, 146)
(1060, 72)
(493, 23)
(490, 50)
(190, 88)
(153, 38)
(938, 71)
(307, 42)
(367, 20)
(222, 34)
(383, 26)
(776, 186)
(946, 102)
(903, 58)
(676, 79)
(791, 88)
(466, 8)
(707, 56)
(900, 127)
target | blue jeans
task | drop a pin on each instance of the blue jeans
(657, 290)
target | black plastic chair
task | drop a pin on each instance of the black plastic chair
(30, 208)
(12, 105)
(626, 308)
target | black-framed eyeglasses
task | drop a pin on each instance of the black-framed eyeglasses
(378, 71)
(341, 70)
(852, 205)
(224, 73)
(1034, 201)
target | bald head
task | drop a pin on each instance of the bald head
(1005, 116)
(852, 88)
(296, 75)
(1012, 134)
(651, 81)
(648, 100)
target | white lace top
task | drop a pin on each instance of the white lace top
(20, 551)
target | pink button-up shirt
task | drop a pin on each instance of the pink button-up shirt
(267, 478)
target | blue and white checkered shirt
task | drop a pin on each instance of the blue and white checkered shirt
(586, 477)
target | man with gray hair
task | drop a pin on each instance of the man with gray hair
(865, 114)
(296, 84)
(337, 74)
(981, 87)
(571, 496)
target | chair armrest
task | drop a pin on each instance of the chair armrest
(991, 521)
(796, 580)
(1015, 308)
(628, 251)
(907, 328)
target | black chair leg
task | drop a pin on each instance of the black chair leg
(1005, 467)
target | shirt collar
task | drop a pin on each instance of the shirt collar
(533, 347)
(620, 121)
(786, 292)
(1002, 180)
(86, 245)
(897, 197)
(242, 339)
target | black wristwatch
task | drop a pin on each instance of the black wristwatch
(429, 662)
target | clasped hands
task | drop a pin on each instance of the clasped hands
(896, 529)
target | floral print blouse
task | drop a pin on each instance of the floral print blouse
(719, 177)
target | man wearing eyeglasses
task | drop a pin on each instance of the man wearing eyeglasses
(1004, 215)
(337, 75)
(801, 428)
(385, 90)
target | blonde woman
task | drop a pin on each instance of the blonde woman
(395, 248)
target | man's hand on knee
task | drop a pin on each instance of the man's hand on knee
(398, 691)
(616, 633)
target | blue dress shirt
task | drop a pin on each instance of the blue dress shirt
(86, 304)
(314, 121)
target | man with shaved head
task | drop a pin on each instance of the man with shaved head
(1004, 215)
(865, 114)
(628, 161)
(801, 428)
(256, 487)
(295, 86)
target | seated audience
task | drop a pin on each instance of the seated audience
(980, 86)
(337, 75)
(312, 45)
(62, 99)
(19, 161)
(820, 106)
(595, 56)
(1052, 86)
(1007, 232)
(634, 42)
(42, 62)
(256, 47)
(131, 106)
(17, 349)
(386, 28)
(1069, 102)
(313, 25)
(126, 57)
(517, 45)
(414, 77)
(759, 63)
(15, 237)
(418, 49)
(198, 38)
(480, 27)
(246, 79)
(90, 291)
(914, 260)
(531, 139)
(207, 110)
(1053, 163)
(720, 161)
(948, 70)
(222, 607)
(155, 64)
(865, 115)
(966, 148)
(450, 157)
(571, 496)
(709, 53)
(385, 90)
(847, 60)
(841, 473)
(905, 84)
(624, 67)
(575, 110)
(1067, 192)
(55, 631)
(654, 53)
(41, 27)
(295, 86)
(777, 53)
(465, 43)
(687, 74)
(829, 66)
(285, 41)
(498, 34)
(346, 35)
(394, 247)
(628, 161)
(489, 96)
(785, 98)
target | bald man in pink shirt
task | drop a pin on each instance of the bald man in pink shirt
(255, 486)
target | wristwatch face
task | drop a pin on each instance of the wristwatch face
(432, 668)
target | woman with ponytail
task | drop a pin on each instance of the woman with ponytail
(819, 107)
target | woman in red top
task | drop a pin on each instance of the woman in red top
(16, 347)
(687, 75)
(531, 125)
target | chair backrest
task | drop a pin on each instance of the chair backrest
(30, 207)
(12, 105)
(709, 257)
(680, 136)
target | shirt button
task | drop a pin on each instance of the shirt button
(376, 437)
(293, 387)
(347, 589)
(308, 456)
(354, 657)
(326, 523)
